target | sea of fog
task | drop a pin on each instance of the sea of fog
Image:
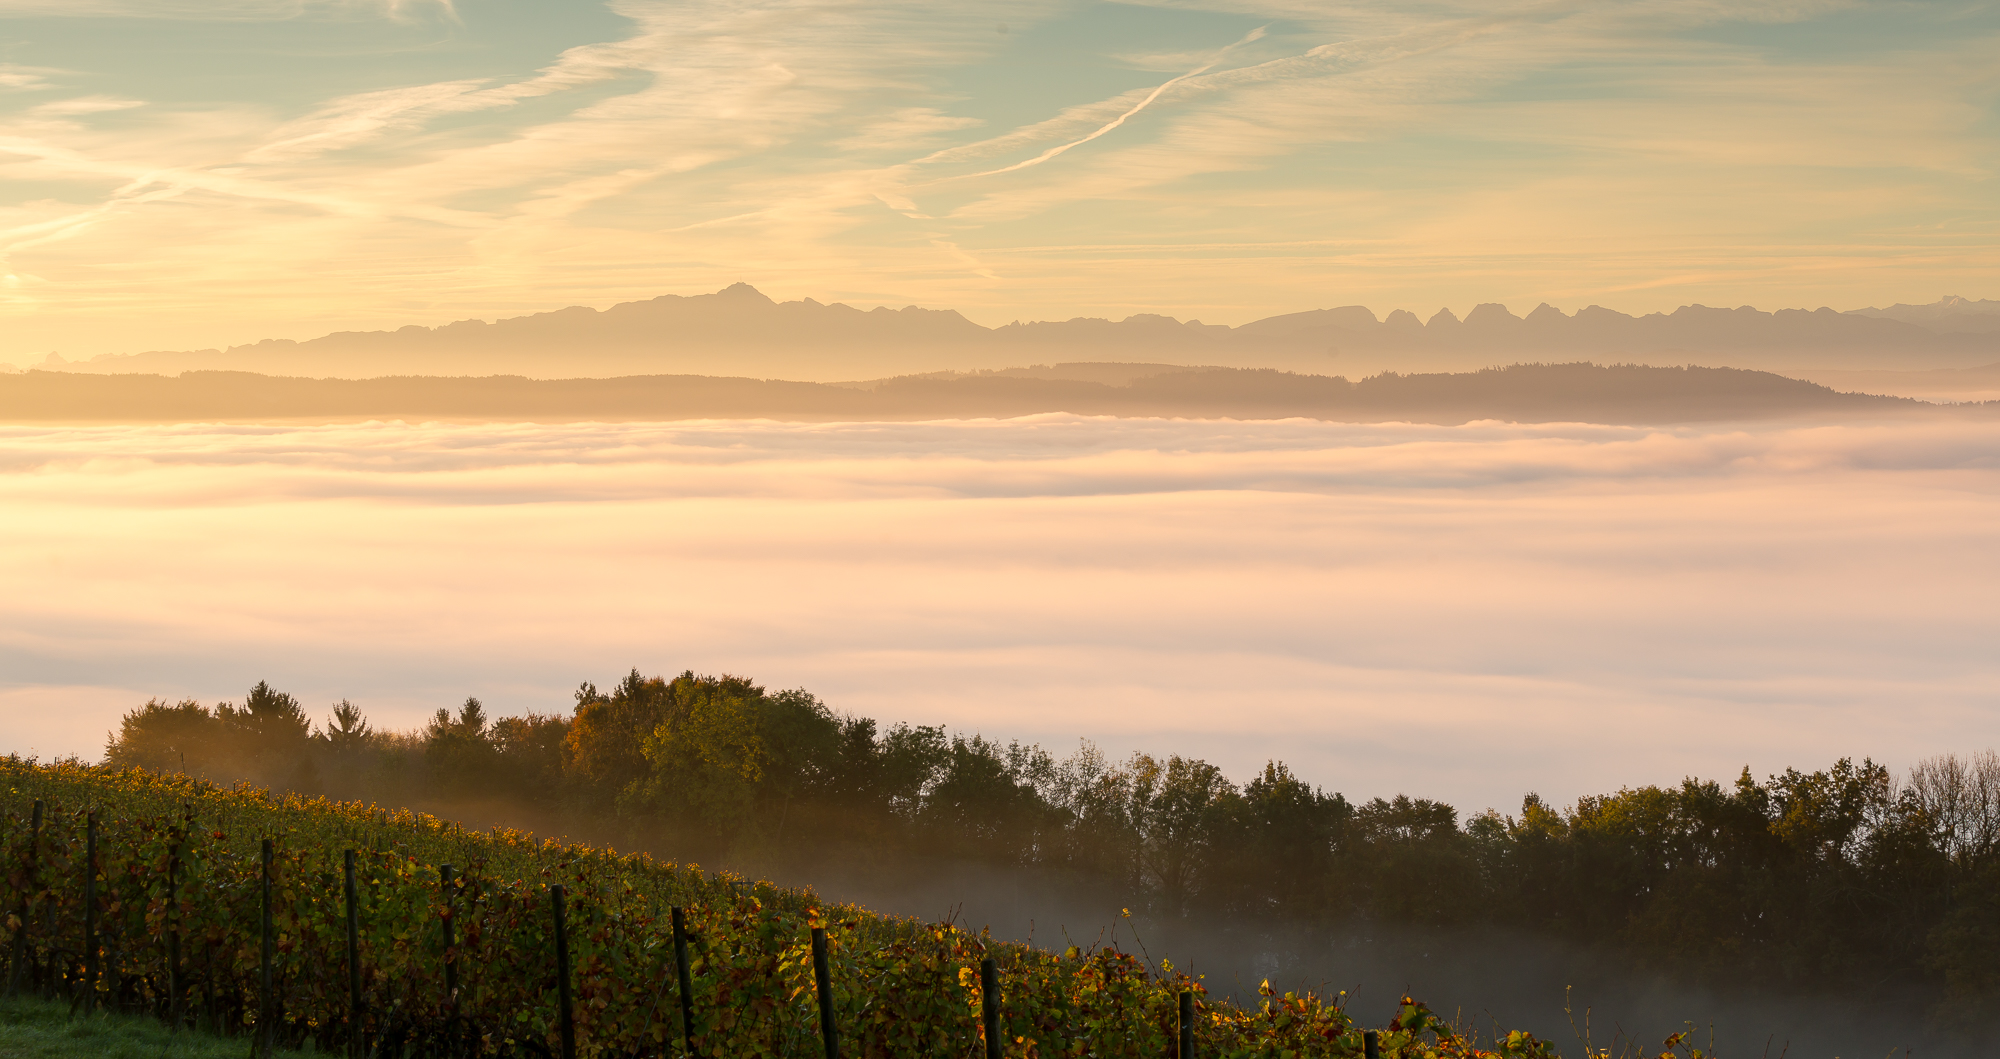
(1465, 613)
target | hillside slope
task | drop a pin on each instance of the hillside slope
(1531, 393)
(225, 909)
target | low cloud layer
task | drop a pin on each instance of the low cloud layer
(1466, 613)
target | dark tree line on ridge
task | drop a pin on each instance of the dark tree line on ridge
(1533, 392)
(1847, 879)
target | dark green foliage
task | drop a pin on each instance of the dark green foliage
(265, 739)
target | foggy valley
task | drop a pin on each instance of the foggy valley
(636, 529)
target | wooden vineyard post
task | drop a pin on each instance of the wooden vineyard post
(18, 968)
(90, 912)
(989, 1005)
(174, 933)
(823, 979)
(353, 960)
(209, 1017)
(565, 1018)
(1371, 1047)
(1187, 1024)
(450, 961)
(686, 980)
(267, 1008)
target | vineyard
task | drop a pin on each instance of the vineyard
(339, 927)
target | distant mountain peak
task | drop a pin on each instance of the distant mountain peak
(1950, 314)
(1977, 305)
(1490, 314)
(740, 291)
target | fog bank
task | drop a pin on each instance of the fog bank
(1462, 612)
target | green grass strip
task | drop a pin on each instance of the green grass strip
(33, 1028)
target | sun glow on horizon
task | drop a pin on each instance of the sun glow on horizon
(193, 175)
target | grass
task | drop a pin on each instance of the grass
(33, 1028)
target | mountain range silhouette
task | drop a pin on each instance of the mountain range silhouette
(738, 331)
(1592, 393)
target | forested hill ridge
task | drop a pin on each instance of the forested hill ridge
(1622, 394)
(1847, 882)
(738, 331)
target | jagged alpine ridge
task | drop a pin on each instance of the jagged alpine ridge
(739, 331)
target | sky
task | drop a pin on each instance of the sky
(1465, 613)
(192, 173)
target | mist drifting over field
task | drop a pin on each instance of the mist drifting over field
(1466, 612)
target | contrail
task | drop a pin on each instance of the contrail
(1120, 119)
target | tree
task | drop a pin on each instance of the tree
(347, 732)
(268, 716)
(981, 806)
(346, 748)
(910, 761)
(180, 737)
(1176, 807)
(1275, 845)
(1102, 839)
(801, 747)
(530, 751)
(604, 749)
(460, 752)
(1421, 866)
(1958, 800)
(720, 756)
(268, 736)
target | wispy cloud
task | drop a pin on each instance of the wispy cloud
(24, 78)
(221, 10)
(1439, 152)
(81, 105)
(1127, 115)
(359, 118)
(905, 129)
